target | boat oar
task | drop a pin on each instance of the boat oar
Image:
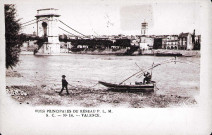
(130, 77)
(153, 66)
(143, 71)
(139, 68)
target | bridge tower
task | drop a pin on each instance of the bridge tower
(47, 26)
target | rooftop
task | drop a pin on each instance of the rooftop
(47, 12)
(184, 34)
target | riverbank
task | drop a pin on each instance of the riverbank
(162, 52)
(159, 52)
(88, 96)
(102, 52)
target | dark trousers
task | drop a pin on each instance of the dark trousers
(146, 80)
(63, 89)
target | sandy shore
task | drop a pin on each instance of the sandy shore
(89, 97)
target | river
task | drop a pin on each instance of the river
(86, 70)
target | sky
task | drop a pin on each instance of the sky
(100, 17)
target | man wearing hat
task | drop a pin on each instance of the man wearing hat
(64, 84)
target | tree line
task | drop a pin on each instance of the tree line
(12, 38)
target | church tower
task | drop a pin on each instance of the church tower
(144, 28)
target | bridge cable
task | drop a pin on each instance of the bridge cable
(33, 22)
(69, 32)
(72, 28)
(28, 21)
(29, 24)
(22, 25)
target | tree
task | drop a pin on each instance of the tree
(122, 43)
(157, 43)
(13, 42)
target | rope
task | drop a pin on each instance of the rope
(144, 70)
(94, 85)
(88, 87)
(138, 66)
(72, 28)
(149, 68)
(165, 62)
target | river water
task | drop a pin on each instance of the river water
(86, 70)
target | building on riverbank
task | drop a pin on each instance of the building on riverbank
(197, 42)
(185, 41)
(170, 42)
(146, 42)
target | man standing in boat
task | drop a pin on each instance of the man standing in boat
(64, 85)
(147, 78)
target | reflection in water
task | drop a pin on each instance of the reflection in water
(87, 70)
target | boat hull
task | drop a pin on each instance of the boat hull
(129, 88)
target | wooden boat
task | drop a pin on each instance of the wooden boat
(138, 87)
(129, 88)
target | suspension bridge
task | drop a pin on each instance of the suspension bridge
(47, 22)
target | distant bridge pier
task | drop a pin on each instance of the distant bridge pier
(47, 26)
